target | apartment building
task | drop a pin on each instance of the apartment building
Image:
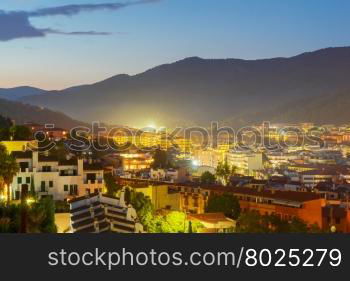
(48, 176)
(98, 213)
(136, 161)
(247, 163)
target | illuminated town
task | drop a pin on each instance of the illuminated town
(282, 180)
(174, 116)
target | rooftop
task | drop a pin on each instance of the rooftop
(269, 194)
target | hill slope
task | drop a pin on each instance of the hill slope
(19, 92)
(203, 90)
(22, 113)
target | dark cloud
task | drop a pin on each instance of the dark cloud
(16, 24)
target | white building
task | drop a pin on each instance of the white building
(47, 176)
(247, 163)
(99, 213)
(170, 175)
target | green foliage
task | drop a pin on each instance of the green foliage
(224, 172)
(9, 218)
(21, 133)
(143, 207)
(161, 160)
(253, 222)
(226, 203)
(112, 187)
(5, 124)
(173, 222)
(60, 151)
(61, 207)
(8, 169)
(47, 205)
(208, 178)
(15, 133)
(32, 187)
(39, 217)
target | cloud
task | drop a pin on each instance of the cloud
(16, 24)
(55, 31)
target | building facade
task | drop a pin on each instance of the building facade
(99, 213)
(48, 176)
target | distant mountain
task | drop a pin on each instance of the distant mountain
(202, 90)
(19, 92)
(22, 113)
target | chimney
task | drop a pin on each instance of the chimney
(35, 159)
(80, 166)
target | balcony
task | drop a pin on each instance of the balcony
(97, 181)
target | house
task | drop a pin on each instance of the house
(171, 175)
(213, 222)
(56, 134)
(312, 178)
(61, 179)
(306, 206)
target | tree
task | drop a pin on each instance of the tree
(252, 222)
(224, 172)
(5, 125)
(32, 187)
(40, 217)
(296, 225)
(161, 160)
(20, 133)
(226, 203)
(111, 185)
(207, 178)
(144, 209)
(48, 224)
(8, 169)
(5, 122)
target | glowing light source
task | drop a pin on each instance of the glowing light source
(195, 163)
(30, 201)
(152, 126)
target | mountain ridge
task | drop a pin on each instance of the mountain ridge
(203, 90)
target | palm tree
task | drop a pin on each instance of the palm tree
(8, 169)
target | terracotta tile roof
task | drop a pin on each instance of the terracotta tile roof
(208, 217)
(269, 194)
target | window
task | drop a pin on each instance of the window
(23, 166)
(19, 180)
(27, 179)
(46, 168)
(43, 187)
(50, 183)
(65, 187)
(73, 189)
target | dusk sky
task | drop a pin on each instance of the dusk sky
(70, 45)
